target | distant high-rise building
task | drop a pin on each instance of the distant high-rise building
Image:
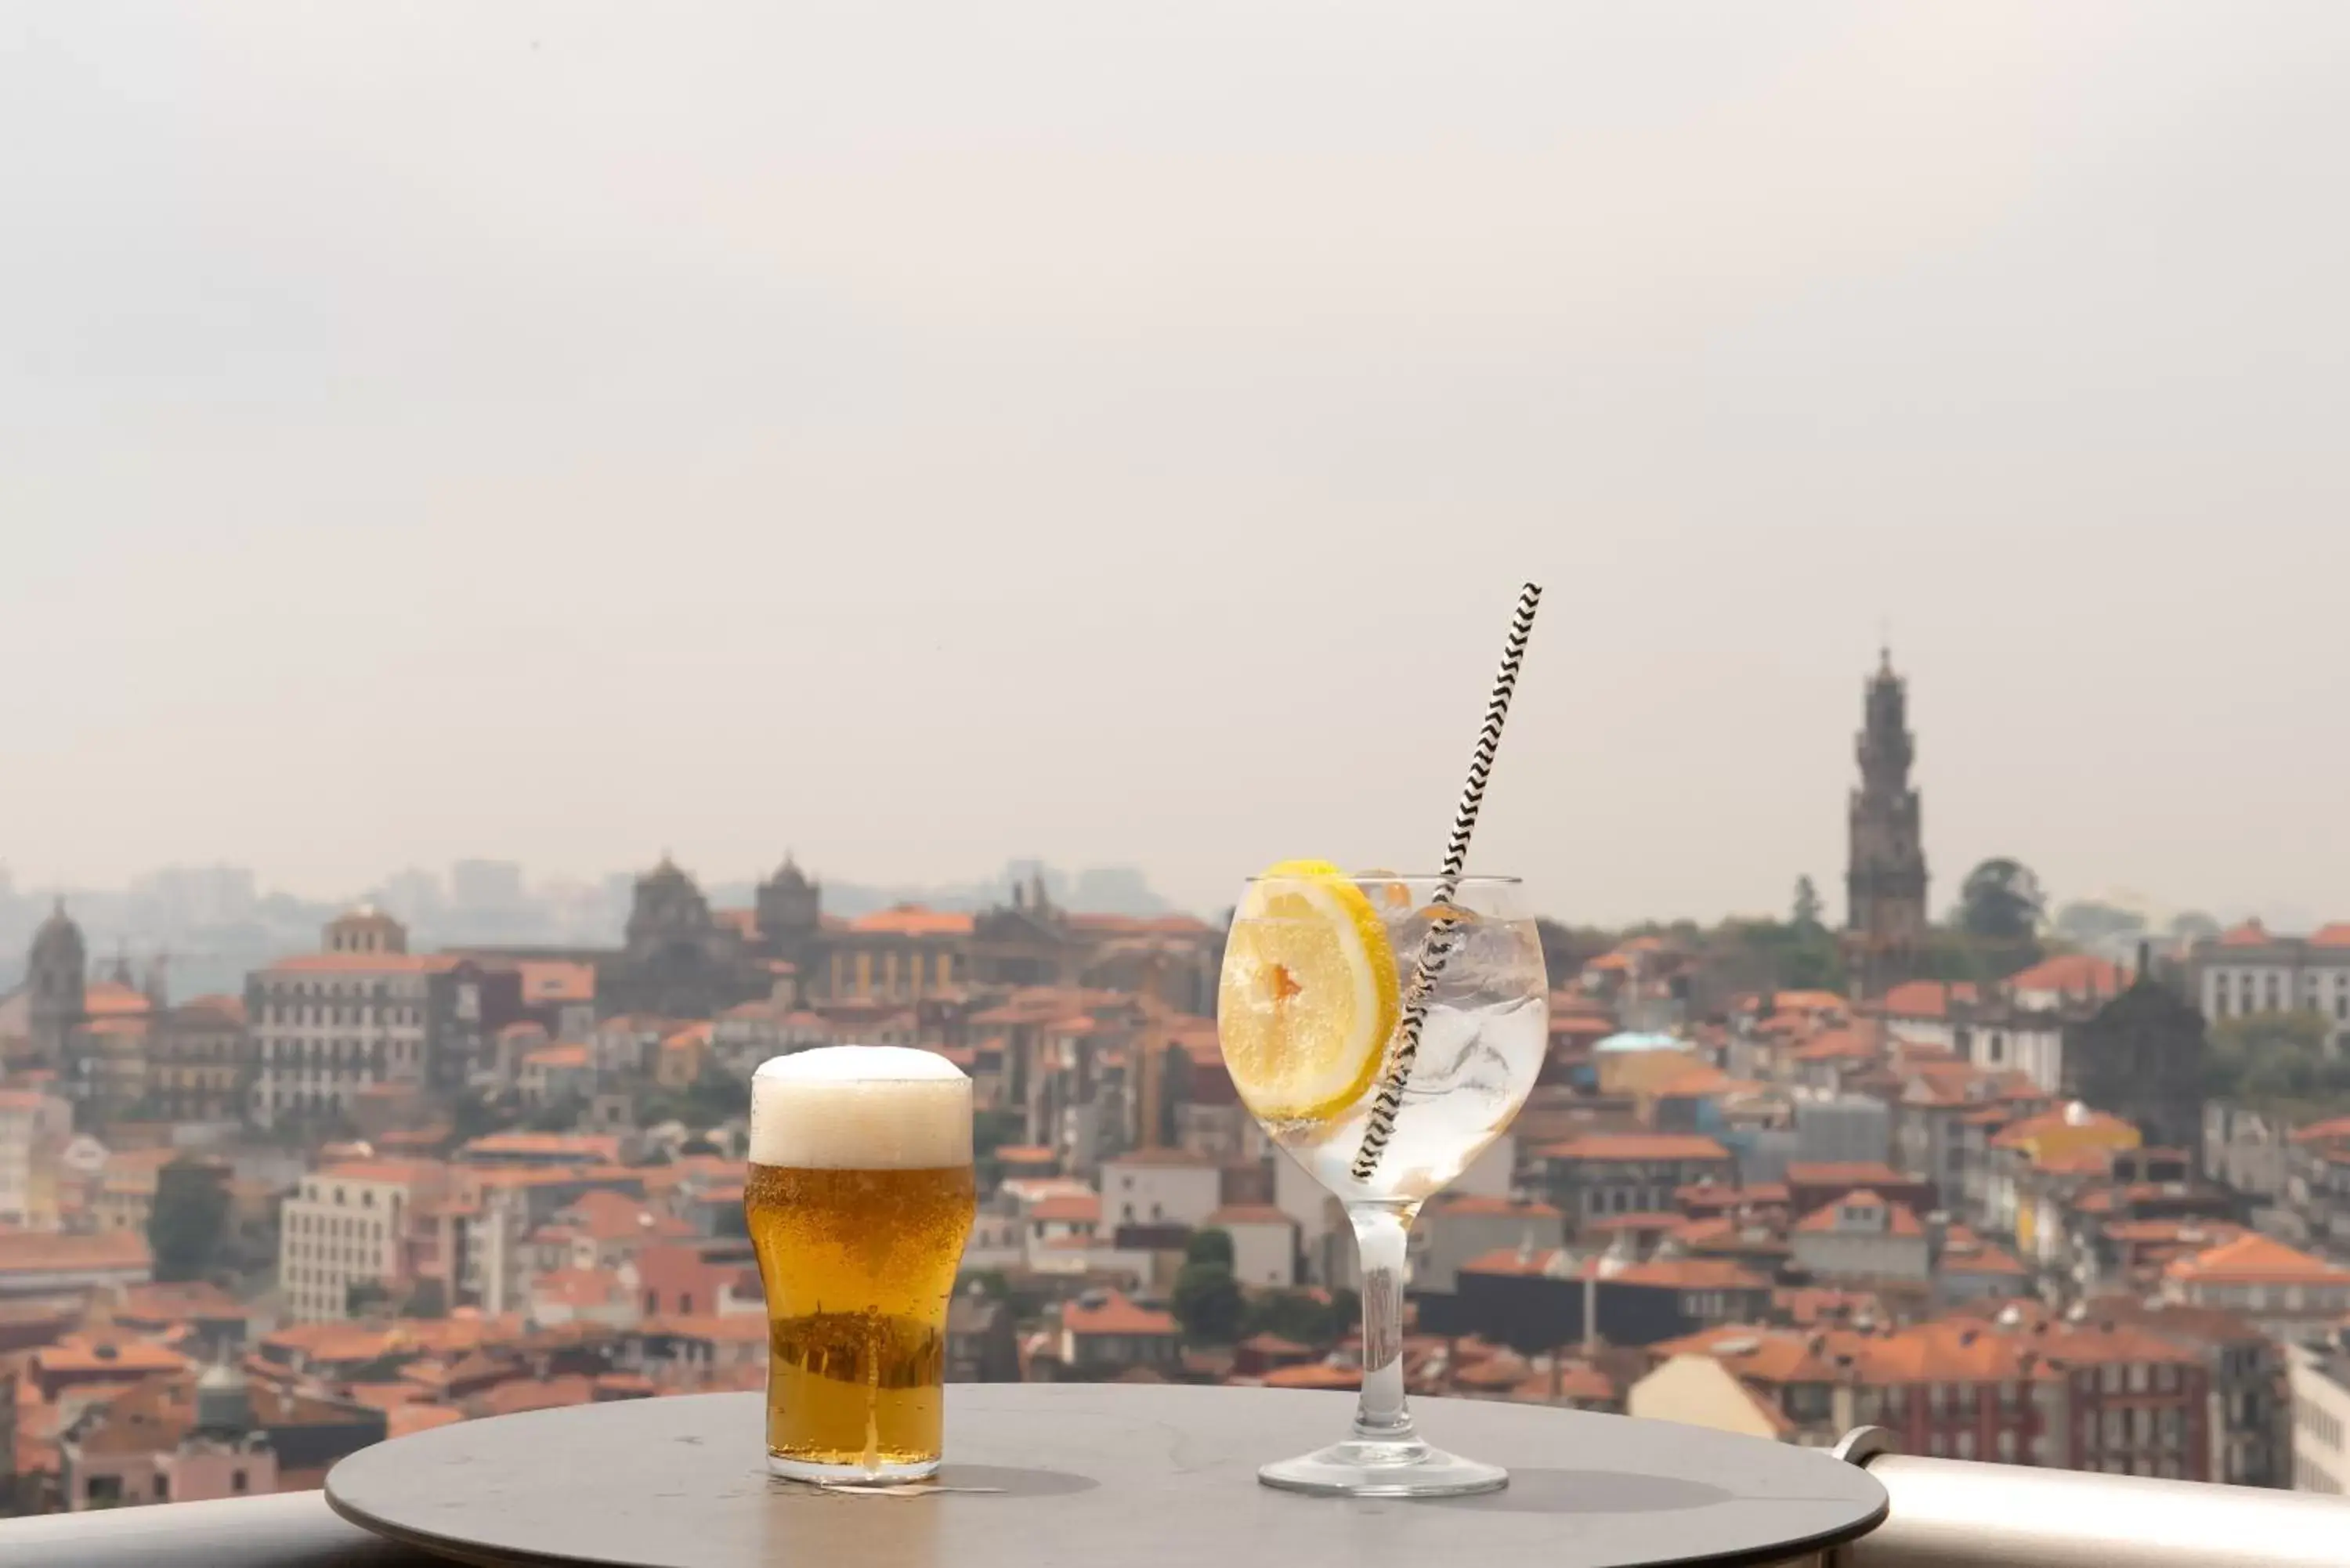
(201, 895)
(1884, 878)
(416, 897)
(486, 886)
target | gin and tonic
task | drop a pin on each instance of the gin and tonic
(1324, 976)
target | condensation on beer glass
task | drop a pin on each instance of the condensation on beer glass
(858, 1199)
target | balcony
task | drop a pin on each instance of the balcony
(1944, 1513)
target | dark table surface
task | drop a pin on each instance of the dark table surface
(1090, 1474)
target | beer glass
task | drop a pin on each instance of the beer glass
(858, 1199)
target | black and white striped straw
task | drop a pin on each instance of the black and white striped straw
(1444, 931)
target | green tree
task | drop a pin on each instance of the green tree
(364, 1298)
(1299, 1316)
(189, 1223)
(715, 1096)
(2088, 922)
(2271, 1057)
(1806, 915)
(2192, 926)
(1210, 1246)
(2255, 1033)
(1566, 948)
(991, 1129)
(998, 1285)
(718, 1096)
(2001, 900)
(557, 1116)
(478, 1115)
(1774, 955)
(1207, 1303)
(428, 1299)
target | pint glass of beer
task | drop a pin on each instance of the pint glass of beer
(859, 1199)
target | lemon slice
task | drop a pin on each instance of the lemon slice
(1309, 996)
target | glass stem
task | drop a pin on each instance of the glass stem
(1381, 1231)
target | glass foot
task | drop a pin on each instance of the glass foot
(879, 1474)
(1362, 1469)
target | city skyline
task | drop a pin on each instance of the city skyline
(1136, 893)
(422, 891)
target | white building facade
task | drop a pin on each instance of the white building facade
(2250, 970)
(1160, 1187)
(2321, 1420)
(35, 1127)
(348, 1225)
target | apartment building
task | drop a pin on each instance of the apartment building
(365, 1012)
(349, 1225)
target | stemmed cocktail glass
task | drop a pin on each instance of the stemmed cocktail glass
(1320, 969)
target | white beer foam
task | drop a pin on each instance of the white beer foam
(860, 1108)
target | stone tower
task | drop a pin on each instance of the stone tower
(1884, 878)
(56, 975)
(668, 908)
(790, 914)
(678, 959)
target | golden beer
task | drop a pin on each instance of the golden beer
(858, 1201)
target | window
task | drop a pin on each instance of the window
(1965, 1443)
(2007, 1445)
(163, 1488)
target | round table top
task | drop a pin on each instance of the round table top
(1083, 1474)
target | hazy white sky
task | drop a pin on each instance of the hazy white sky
(926, 435)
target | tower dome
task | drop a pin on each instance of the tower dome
(57, 976)
(364, 929)
(790, 909)
(57, 943)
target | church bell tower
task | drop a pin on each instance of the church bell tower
(1884, 875)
